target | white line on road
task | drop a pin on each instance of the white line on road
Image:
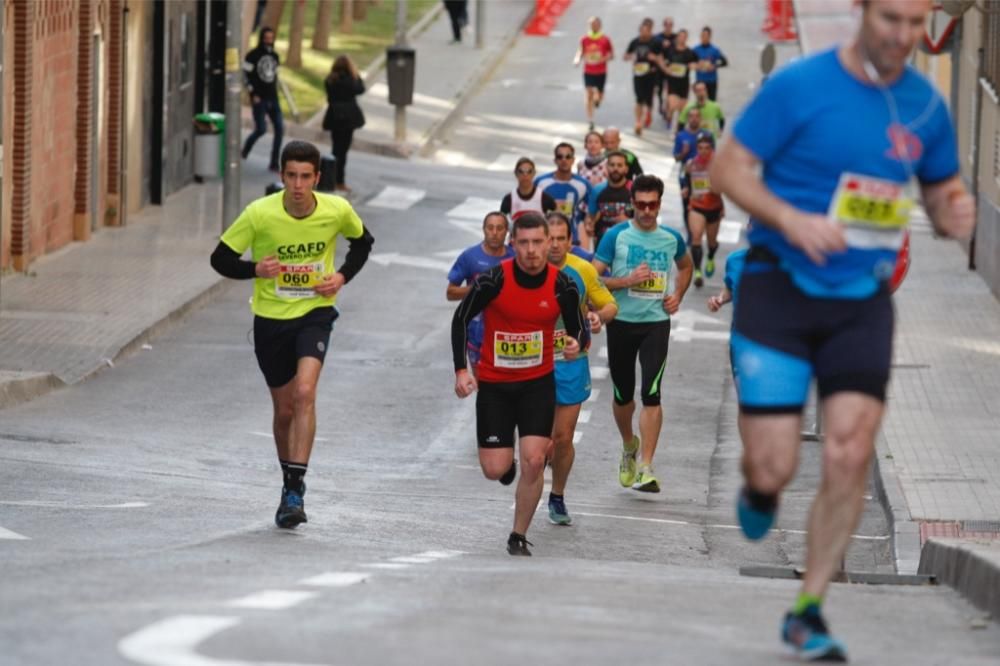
(273, 599)
(269, 435)
(450, 254)
(584, 416)
(603, 352)
(386, 565)
(396, 198)
(597, 372)
(336, 579)
(441, 554)
(474, 208)
(505, 162)
(66, 505)
(13, 536)
(577, 436)
(729, 231)
(172, 642)
(389, 258)
(412, 559)
(593, 395)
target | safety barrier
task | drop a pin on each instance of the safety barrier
(547, 13)
(779, 24)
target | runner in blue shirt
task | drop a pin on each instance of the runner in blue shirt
(475, 260)
(569, 190)
(827, 188)
(710, 59)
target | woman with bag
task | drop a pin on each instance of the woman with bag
(343, 115)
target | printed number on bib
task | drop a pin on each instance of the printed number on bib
(595, 57)
(651, 289)
(517, 350)
(677, 70)
(641, 68)
(873, 211)
(298, 280)
(559, 344)
(700, 186)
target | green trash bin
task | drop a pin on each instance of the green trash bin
(209, 145)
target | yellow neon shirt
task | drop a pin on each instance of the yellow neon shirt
(305, 248)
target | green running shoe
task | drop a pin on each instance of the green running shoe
(698, 279)
(626, 468)
(645, 481)
(710, 268)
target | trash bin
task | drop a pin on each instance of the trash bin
(400, 70)
(209, 145)
(327, 173)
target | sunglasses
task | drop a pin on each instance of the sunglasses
(525, 172)
(646, 205)
(564, 156)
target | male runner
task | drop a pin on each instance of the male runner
(567, 189)
(613, 143)
(292, 237)
(639, 254)
(685, 147)
(710, 59)
(813, 299)
(595, 51)
(521, 301)
(665, 38)
(526, 197)
(646, 56)
(572, 377)
(475, 260)
(712, 118)
(610, 202)
(706, 207)
(678, 62)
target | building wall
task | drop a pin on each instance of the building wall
(8, 124)
(139, 26)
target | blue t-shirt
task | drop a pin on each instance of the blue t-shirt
(469, 264)
(813, 122)
(569, 195)
(580, 252)
(734, 270)
(623, 248)
(712, 54)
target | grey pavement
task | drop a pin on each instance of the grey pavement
(938, 461)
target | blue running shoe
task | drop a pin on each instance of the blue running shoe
(291, 510)
(754, 523)
(808, 636)
(558, 515)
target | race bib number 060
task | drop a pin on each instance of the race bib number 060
(298, 280)
(517, 350)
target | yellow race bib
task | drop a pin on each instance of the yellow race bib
(298, 280)
(517, 350)
(650, 289)
(677, 70)
(873, 211)
(559, 344)
(640, 68)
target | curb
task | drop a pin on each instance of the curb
(17, 387)
(971, 567)
(905, 532)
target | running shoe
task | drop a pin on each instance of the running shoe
(518, 545)
(558, 515)
(626, 468)
(698, 279)
(638, 130)
(645, 481)
(754, 523)
(808, 636)
(291, 510)
(649, 118)
(710, 268)
(509, 475)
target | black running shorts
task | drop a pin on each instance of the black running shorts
(678, 87)
(280, 343)
(711, 216)
(644, 86)
(595, 81)
(501, 407)
(648, 341)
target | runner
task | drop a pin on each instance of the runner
(639, 254)
(706, 207)
(710, 59)
(568, 190)
(712, 118)
(292, 236)
(646, 58)
(665, 38)
(611, 202)
(521, 300)
(679, 60)
(813, 299)
(526, 197)
(593, 167)
(734, 269)
(613, 142)
(685, 147)
(475, 260)
(572, 377)
(595, 51)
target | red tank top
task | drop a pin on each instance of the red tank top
(702, 195)
(517, 329)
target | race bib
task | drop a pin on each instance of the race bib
(595, 57)
(298, 280)
(559, 344)
(517, 350)
(651, 289)
(700, 186)
(640, 68)
(873, 211)
(677, 70)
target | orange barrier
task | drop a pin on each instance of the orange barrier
(547, 13)
(780, 22)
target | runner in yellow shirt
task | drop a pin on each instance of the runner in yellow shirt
(292, 238)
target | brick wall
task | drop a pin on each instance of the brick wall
(8, 126)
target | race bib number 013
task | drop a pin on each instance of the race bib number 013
(517, 350)
(650, 289)
(298, 280)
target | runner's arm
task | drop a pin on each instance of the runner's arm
(357, 254)
(951, 208)
(456, 292)
(484, 289)
(227, 263)
(505, 205)
(568, 295)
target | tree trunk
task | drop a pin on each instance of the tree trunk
(321, 33)
(347, 16)
(294, 57)
(360, 10)
(272, 14)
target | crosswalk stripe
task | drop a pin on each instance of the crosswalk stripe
(397, 198)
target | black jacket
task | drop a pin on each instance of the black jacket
(343, 109)
(260, 67)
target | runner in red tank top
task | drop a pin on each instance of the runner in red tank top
(521, 300)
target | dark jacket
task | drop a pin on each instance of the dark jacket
(260, 68)
(343, 109)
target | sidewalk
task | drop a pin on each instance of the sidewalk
(79, 309)
(938, 463)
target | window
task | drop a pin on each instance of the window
(991, 45)
(184, 68)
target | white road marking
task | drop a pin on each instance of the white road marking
(667, 521)
(729, 231)
(472, 227)
(390, 258)
(172, 642)
(505, 162)
(66, 505)
(584, 416)
(450, 254)
(603, 352)
(594, 393)
(441, 554)
(474, 208)
(683, 327)
(597, 372)
(270, 435)
(689, 334)
(412, 559)
(336, 579)
(13, 536)
(273, 599)
(397, 198)
(386, 565)
(577, 436)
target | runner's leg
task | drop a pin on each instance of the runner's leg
(562, 438)
(529, 487)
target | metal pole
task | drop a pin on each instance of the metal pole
(480, 22)
(400, 128)
(231, 178)
(976, 139)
